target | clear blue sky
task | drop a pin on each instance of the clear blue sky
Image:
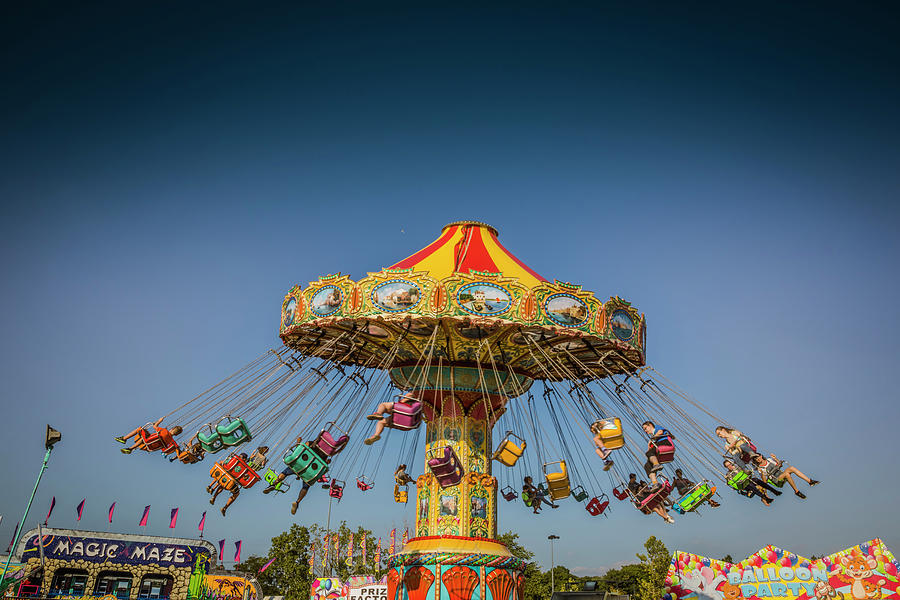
(167, 173)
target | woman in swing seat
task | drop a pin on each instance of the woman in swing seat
(756, 487)
(401, 477)
(736, 442)
(384, 414)
(772, 469)
(537, 496)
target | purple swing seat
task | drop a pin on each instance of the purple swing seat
(446, 469)
(328, 446)
(406, 416)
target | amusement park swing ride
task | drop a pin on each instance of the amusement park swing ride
(506, 374)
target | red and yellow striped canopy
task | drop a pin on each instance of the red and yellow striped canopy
(466, 246)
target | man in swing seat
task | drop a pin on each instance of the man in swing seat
(287, 472)
(658, 435)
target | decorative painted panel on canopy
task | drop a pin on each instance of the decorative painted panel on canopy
(463, 300)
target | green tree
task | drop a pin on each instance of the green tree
(289, 574)
(623, 580)
(654, 564)
(727, 558)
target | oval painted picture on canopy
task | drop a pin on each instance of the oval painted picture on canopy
(326, 301)
(622, 325)
(566, 310)
(290, 311)
(397, 295)
(483, 299)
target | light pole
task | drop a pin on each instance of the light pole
(552, 537)
(52, 436)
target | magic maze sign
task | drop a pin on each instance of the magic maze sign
(113, 550)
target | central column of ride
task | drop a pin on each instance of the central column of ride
(455, 554)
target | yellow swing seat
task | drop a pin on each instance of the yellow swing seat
(557, 481)
(508, 452)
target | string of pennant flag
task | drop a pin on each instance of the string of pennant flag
(322, 549)
(144, 521)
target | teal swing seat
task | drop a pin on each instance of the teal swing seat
(579, 494)
(306, 463)
(233, 431)
(210, 440)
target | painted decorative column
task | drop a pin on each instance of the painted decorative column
(455, 554)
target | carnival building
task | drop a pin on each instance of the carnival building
(66, 563)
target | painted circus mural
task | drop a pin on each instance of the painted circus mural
(868, 571)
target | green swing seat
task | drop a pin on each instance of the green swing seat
(739, 480)
(526, 498)
(308, 464)
(233, 431)
(271, 478)
(699, 494)
(579, 494)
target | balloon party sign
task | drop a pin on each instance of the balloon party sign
(868, 571)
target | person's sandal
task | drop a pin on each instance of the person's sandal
(121, 440)
(372, 440)
(813, 482)
(374, 417)
(294, 508)
(800, 495)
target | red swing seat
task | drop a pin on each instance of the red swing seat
(665, 450)
(654, 499)
(364, 483)
(158, 439)
(508, 493)
(620, 492)
(597, 505)
(336, 489)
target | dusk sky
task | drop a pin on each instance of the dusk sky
(168, 172)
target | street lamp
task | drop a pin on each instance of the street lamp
(50, 438)
(552, 537)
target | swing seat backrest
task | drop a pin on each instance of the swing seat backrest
(597, 505)
(579, 494)
(406, 416)
(401, 494)
(612, 435)
(328, 446)
(508, 452)
(557, 481)
(446, 467)
(233, 431)
(210, 440)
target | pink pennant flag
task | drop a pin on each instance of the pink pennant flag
(222, 551)
(173, 518)
(15, 533)
(52, 504)
(146, 516)
(266, 566)
(112, 507)
(202, 523)
(237, 551)
(80, 509)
